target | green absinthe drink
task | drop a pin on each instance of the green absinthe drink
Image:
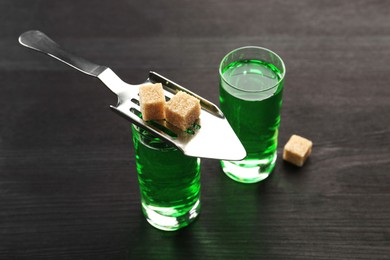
(251, 86)
(169, 182)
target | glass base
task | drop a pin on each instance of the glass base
(168, 222)
(249, 171)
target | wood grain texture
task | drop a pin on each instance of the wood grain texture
(68, 186)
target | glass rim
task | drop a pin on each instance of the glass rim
(150, 136)
(258, 48)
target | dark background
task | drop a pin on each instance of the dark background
(68, 186)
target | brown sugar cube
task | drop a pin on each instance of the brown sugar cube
(152, 102)
(182, 110)
(297, 150)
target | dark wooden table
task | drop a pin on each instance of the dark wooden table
(68, 185)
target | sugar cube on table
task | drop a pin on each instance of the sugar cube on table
(152, 102)
(297, 150)
(182, 110)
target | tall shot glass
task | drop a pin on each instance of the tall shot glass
(169, 182)
(250, 93)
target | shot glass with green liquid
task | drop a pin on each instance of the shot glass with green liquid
(250, 93)
(169, 182)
